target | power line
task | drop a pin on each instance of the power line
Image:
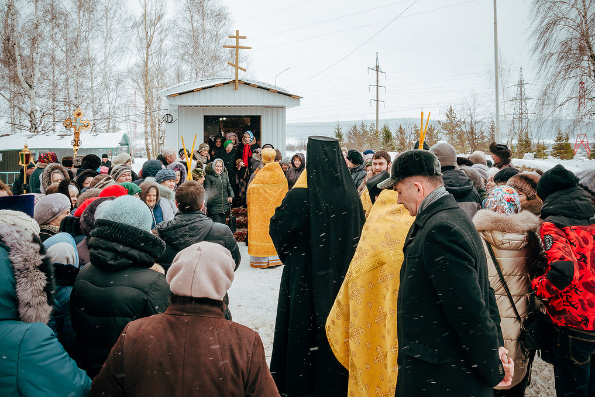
(275, 11)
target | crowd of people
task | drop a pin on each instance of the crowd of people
(420, 274)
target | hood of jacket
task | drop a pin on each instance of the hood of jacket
(302, 157)
(46, 176)
(185, 229)
(457, 183)
(164, 191)
(115, 246)
(178, 166)
(506, 231)
(26, 286)
(572, 203)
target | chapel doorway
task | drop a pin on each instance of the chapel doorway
(222, 125)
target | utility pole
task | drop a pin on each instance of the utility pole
(377, 100)
(497, 135)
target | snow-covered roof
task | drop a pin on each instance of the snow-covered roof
(55, 141)
(204, 84)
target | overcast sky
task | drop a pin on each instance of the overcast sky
(434, 54)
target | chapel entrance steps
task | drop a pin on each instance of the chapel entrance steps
(241, 233)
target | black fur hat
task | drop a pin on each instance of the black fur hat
(412, 163)
(91, 162)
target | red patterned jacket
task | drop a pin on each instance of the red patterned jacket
(568, 234)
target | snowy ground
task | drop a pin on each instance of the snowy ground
(253, 303)
(253, 299)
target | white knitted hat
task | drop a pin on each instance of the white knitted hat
(19, 219)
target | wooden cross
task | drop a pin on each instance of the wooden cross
(237, 48)
(77, 125)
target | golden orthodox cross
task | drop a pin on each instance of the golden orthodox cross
(77, 123)
(237, 48)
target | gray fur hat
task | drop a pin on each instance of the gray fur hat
(49, 207)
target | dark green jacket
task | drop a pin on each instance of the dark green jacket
(34, 181)
(218, 189)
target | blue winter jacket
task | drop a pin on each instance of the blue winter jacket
(32, 361)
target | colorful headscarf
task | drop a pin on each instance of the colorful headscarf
(131, 187)
(227, 142)
(47, 158)
(503, 200)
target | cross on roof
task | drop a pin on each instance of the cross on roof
(237, 48)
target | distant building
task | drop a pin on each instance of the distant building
(11, 144)
(212, 107)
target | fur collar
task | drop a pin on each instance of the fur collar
(522, 222)
(32, 273)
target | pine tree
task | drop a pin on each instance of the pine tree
(562, 149)
(452, 130)
(523, 145)
(540, 150)
(491, 133)
(401, 138)
(432, 135)
(338, 133)
(387, 138)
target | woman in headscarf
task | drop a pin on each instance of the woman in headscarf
(315, 232)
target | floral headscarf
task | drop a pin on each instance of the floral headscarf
(503, 200)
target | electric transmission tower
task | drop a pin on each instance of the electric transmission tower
(520, 119)
(377, 85)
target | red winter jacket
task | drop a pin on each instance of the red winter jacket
(568, 239)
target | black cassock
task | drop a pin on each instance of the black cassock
(315, 231)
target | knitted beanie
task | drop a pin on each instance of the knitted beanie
(203, 146)
(586, 180)
(227, 143)
(198, 173)
(526, 183)
(482, 170)
(355, 157)
(203, 270)
(88, 215)
(165, 175)
(49, 207)
(20, 220)
(505, 174)
(131, 188)
(503, 200)
(554, 180)
(478, 157)
(151, 168)
(91, 162)
(129, 211)
(98, 178)
(118, 170)
(446, 153)
(113, 191)
(87, 194)
(122, 158)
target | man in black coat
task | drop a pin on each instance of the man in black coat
(447, 320)
(191, 226)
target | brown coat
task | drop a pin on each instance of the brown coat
(188, 350)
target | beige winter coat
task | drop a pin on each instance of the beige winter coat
(513, 241)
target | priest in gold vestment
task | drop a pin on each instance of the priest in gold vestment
(265, 193)
(362, 325)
